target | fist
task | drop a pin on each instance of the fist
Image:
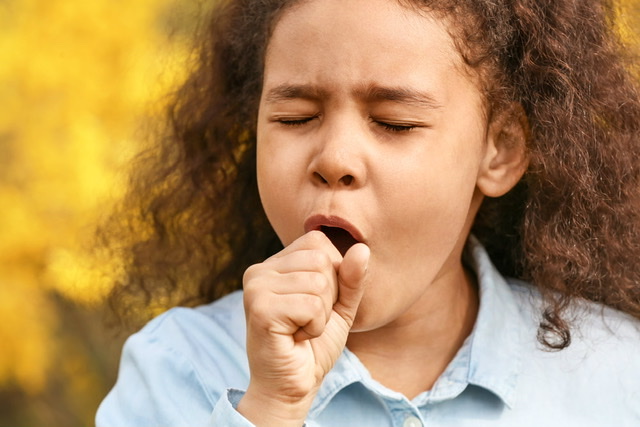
(300, 305)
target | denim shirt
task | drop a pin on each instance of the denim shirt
(188, 367)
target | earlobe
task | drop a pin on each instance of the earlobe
(505, 158)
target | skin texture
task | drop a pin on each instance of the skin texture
(367, 114)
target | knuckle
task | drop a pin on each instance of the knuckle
(318, 238)
(315, 305)
(319, 260)
(316, 235)
(256, 292)
(251, 288)
(318, 283)
(258, 278)
(250, 273)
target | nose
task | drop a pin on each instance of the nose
(339, 160)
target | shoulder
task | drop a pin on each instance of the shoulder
(208, 340)
(219, 318)
(590, 322)
(175, 369)
(597, 375)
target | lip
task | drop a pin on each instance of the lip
(314, 222)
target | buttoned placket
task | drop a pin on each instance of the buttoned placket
(403, 412)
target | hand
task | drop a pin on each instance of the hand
(300, 305)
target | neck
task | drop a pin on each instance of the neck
(410, 354)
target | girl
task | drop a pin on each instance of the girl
(409, 156)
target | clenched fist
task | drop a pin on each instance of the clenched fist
(300, 305)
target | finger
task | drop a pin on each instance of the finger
(307, 271)
(286, 314)
(312, 240)
(351, 280)
(310, 283)
(311, 261)
(302, 260)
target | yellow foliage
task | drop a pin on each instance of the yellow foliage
(76, 79)
(628, 20)
(28, 320)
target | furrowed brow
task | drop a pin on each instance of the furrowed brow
(402, 95)
(286, 92)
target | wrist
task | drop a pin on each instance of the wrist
(267, 410)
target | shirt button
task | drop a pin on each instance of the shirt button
(412, 421)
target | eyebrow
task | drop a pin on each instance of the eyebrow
(369, 93)
(401, 94)
(286, 92)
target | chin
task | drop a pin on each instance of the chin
(367, 319)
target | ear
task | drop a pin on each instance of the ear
(505, 159)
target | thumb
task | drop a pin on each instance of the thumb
(351, 278)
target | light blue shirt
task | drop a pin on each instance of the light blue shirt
(188, 367)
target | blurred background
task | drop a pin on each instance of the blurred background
(78, 82)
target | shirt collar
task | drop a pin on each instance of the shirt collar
(490, 357)
(494, 348)
(347, 370)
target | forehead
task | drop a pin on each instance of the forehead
(376, 18)
(362, 41)
(452, 13)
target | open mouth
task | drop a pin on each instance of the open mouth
(340, 238)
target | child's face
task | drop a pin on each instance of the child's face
(368, 115)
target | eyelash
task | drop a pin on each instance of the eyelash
(296, 122)
(396, 128)
(387, 126)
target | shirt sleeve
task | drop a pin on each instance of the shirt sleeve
(159, 386)
(225, 414)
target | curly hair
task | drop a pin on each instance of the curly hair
(192, 221)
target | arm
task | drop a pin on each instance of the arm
(181, 368)
(300, 305)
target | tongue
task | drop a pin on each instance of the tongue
(340, 238)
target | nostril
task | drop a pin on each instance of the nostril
(320, 177)
(347, 179)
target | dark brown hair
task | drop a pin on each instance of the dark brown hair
(192, 221)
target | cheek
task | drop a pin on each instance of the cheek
(427, 205)
(266, 178)
(277, 179)
(429, 183)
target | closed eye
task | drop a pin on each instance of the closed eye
(395, 127)
(295, 121)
